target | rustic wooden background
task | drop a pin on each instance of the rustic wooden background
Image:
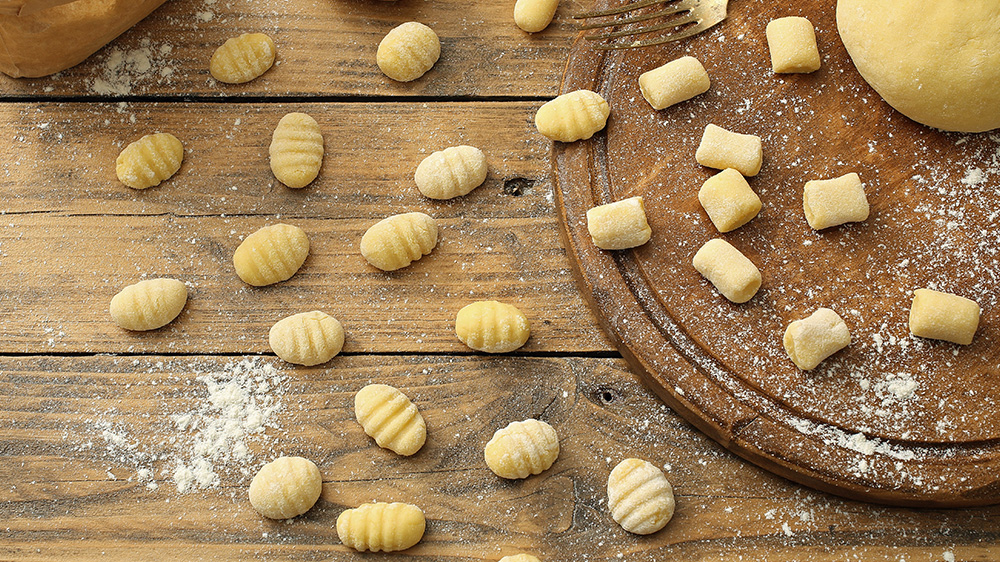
(88, 406)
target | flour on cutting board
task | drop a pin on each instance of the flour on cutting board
(235, 407)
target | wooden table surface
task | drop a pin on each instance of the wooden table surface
(97, 423)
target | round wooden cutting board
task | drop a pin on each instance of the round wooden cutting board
(893, 418)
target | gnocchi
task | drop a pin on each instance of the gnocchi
(944, 316)
(388, 417)
(492, 327)
(241, 59)
(408, 51)
(674, 82)
(721, 149)
(792, 42)
(271, 254)
(521, 449)
(811, 340)
(149, 304)
(534, 15)
(149, 161)
(834, 202)
(640, 497)
(619, 225)
(296, 150)
(397, 241)
(732, 273)
(729, 200)
(286, 487)
(520, 558)
(573, 116)
(385, 527)
(307, 338)
(452, 172)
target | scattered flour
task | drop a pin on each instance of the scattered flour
(123, 69)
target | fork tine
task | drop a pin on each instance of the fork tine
(675, 22)
(635, 19)
(683, 34)
(619, 10)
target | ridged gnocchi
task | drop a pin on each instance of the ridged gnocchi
(271, 254)
(534, 15)
(492, 327)
(307, 338)
(296, 150)
(408, 51)
(452, 172)
(521, 449)
(520, 558)
(149, 304)
(241, 59)
(150, 160)
(573, 116)
(388, 417)
(640, 497)
(286, 487)
(385, 527)
(397, 241)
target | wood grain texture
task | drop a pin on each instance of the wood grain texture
(325, 48)
(76, 431)
(73, 236)
(893, 418)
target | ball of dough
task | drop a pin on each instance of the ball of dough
(938, 62)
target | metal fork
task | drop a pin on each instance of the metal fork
(683, 18)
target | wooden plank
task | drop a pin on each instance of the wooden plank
(72, 235)
(324, 49)
(79, 430)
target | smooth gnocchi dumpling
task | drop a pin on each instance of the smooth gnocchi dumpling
(619, 225)
(385, 527)
(721, 149)
(521, 449)
(296, 150)
(573, 116)
(149, 160)
(732, 273)
(674, 82)
(520, 558)
(397, 241)
(534, 15)
(307, 338)
(834, 202)
(388, 417)
(241, 59)
(149, 304)
(452, 172)
(492, 327)
(944, 316)
(286, 487)
(792, 42)
(272, 254)
(640, 497)
(408, 51)
(729, 200)
(811, 340)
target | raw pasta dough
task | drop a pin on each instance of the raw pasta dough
(674, 82)
(811, 340)
(522, 449)
(388, 417)
(640, 497)
(732, 273)
(834, 202)
(534, 15)
(937, 62)
(619, 225)
(286, 487)
(385, 527)
(728, 200)
(149, 304)
(721, 149)
(792, 42)
(943, 316)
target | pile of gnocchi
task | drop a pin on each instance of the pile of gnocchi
(640, 497)
(730, 202)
